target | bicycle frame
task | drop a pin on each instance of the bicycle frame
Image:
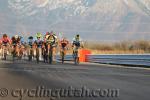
(44, 53)
(4, 51)
(30, 53)
(38, 54)
(76, 55)
(62, 54)
(50, 53)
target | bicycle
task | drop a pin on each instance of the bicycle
(50, 52)
(44, 53)
(76, 55)
(30, 54)
(38, 50)
(37, 54)
(16, 53)
(5, 50)
(62, 55)
(20, 51)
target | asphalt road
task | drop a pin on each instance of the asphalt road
(27, 81)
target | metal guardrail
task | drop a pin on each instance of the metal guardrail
(124, 59)
(133, 60)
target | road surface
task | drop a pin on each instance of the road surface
(21, 80)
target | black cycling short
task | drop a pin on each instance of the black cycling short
(63, 45)
(76, 44)
(5, 43)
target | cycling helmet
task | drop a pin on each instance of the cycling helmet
(47, 33)
(21, 37)
(38, 35)
(4, 35)
(47, 36)
(31, 37)
(16, 36)
(77, 35)
(13, 38)
(54, 34)
(51, 33)
(64, 39)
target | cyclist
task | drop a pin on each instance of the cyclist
(30, 41)
(38, 40)
(16, 45)
(46, 36)
(50, 44)
(22, 40)
(30, 49)
(39, 43)
(63, 47)
(63, 43)
(55, 46)
(50, 39)
(15, 40)
(77, 43)
(5, 41)
(22, 46)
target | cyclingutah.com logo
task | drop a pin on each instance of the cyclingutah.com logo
(69, 92)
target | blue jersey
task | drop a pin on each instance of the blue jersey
(39, 43)
(30, 42)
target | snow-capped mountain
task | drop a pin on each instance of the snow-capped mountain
(93, 19)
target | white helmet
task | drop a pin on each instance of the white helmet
(16, 36)
(47, 36)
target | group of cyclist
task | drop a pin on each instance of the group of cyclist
(41, 47)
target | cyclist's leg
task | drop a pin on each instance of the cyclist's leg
(3, 51)
(17, 50)
(40, 53)
(65, 51)
(37, 54)
(34, 51)
(54, 53)
(74, 50)
(51, 54)
(0, 51)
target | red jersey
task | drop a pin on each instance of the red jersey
(64, 43)
(5, 40)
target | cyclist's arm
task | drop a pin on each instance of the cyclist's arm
(73, 42)
(82, 43)
(0, 41)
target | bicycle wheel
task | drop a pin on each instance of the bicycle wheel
(13, 55)
(44, 55)
(5, 54)
(76, 58)
(62, 55)
(30, 55)
(20, 54)
(50, 55)
(37, 55)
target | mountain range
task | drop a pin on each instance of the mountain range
(101, 20)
